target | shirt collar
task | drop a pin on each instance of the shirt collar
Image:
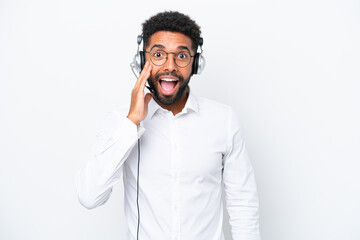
(191, 104)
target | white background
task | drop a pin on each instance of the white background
(289, 68)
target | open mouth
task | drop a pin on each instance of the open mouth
(168, 85)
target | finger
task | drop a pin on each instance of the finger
(145, 78)
(143, 71)
(146, 66)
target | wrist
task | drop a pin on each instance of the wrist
(136, 122)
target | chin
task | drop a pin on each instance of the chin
(168, 99)
(173, 98)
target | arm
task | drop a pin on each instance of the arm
(113, 144)
(240, 187)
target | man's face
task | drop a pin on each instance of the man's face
(169, 81)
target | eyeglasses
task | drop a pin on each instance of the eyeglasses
(159, 57)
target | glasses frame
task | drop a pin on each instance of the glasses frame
(167, 54)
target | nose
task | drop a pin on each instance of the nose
(170, 64)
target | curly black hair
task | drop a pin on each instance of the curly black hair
(174, 22)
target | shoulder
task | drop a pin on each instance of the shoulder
(218, 113)
(213, 107)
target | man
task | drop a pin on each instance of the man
(174, 149)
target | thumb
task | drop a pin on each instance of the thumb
(147, 98)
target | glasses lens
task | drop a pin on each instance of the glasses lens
(182, 59)
(158, 57)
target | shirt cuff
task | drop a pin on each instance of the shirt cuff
(130, 129)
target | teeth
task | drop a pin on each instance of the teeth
(169, 79)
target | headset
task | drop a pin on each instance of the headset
(136, 66)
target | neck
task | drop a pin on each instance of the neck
(179, 105)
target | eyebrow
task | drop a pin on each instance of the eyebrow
(184, 48)
(158, 46)
(162, 47)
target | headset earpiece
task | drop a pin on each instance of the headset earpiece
(199, 60)
(139, 59)
(199, 64)
(142, 60)
(195, 64)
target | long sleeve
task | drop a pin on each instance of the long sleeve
(112, 145)
(240, 187)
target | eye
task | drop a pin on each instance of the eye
(182, 55)
(158, 54)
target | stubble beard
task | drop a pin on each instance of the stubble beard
(168, 99)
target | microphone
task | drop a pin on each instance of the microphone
(150, 89)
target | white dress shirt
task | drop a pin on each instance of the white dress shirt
(183, 161)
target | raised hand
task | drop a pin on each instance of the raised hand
(139, 101)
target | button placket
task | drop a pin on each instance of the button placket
(175, 174)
